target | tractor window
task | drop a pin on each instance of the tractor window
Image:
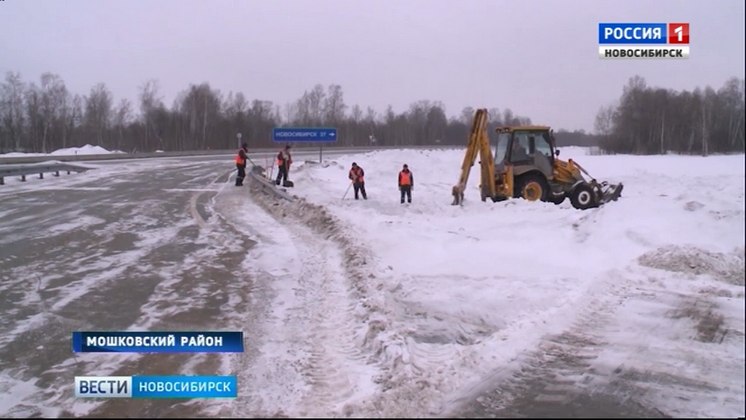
(542, 144)
(502, 146)
(520, 149)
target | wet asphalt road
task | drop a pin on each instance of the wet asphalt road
(124, 247)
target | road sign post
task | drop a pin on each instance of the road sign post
(305, 135)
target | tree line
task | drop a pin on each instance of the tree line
(654, 120)
(46, 116)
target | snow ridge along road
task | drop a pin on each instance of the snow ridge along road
(308, 356)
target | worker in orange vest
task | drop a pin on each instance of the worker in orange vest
(357, 175)
(283, 165)
(241, 158)
(406, 183)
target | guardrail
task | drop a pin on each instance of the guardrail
(39, 168)
(265, 184)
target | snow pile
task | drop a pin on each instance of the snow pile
(85, 150)
(70, 151)
(691, 260)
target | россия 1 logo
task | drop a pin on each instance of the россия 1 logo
(643, 40)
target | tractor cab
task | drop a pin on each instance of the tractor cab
(526, 148)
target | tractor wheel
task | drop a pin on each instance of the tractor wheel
(583, 197)
(532, 188)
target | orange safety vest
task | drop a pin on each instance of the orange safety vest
(281, 159)
(357, 175)
(239, 160)
(405, 179)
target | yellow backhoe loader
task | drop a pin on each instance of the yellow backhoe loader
(526, 165)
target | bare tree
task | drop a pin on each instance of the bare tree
(316, 104)
(604, 120)
(467, 115)
(356, 114)
(732, 96)
(437, 122)
(334, 105)
(122, 118)
(34, 117)
(262, 117)
(11, 110)
(200, 108)
(150, 102)
(292, 113)
(98, 113)
(53, 97)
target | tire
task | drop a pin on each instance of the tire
(532, 187)
(582, 197)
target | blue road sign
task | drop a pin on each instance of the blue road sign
(289, 134)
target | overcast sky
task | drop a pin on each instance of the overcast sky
(539, 58)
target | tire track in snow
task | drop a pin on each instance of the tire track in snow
(597, 367)
(337, 366)
(558, 378)
(307, 360)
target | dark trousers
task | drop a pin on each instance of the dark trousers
(241, 174)
(406, 190)
(282, 174)
(360, 187)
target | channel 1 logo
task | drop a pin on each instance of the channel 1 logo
(643, 40)
(678, 33)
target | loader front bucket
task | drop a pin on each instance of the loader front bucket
(610, 192)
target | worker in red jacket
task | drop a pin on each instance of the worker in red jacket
(357, 175)
(406, 183)
(241, 158)
(283, 165)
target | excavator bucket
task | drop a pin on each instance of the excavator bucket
(610, 192)
(604, 191)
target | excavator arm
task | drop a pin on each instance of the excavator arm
(479, 142)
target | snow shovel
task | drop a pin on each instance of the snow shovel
(346, 191)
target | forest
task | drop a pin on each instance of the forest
(46, 116)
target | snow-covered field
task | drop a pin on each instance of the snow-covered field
(449, 303)
(374, 308)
